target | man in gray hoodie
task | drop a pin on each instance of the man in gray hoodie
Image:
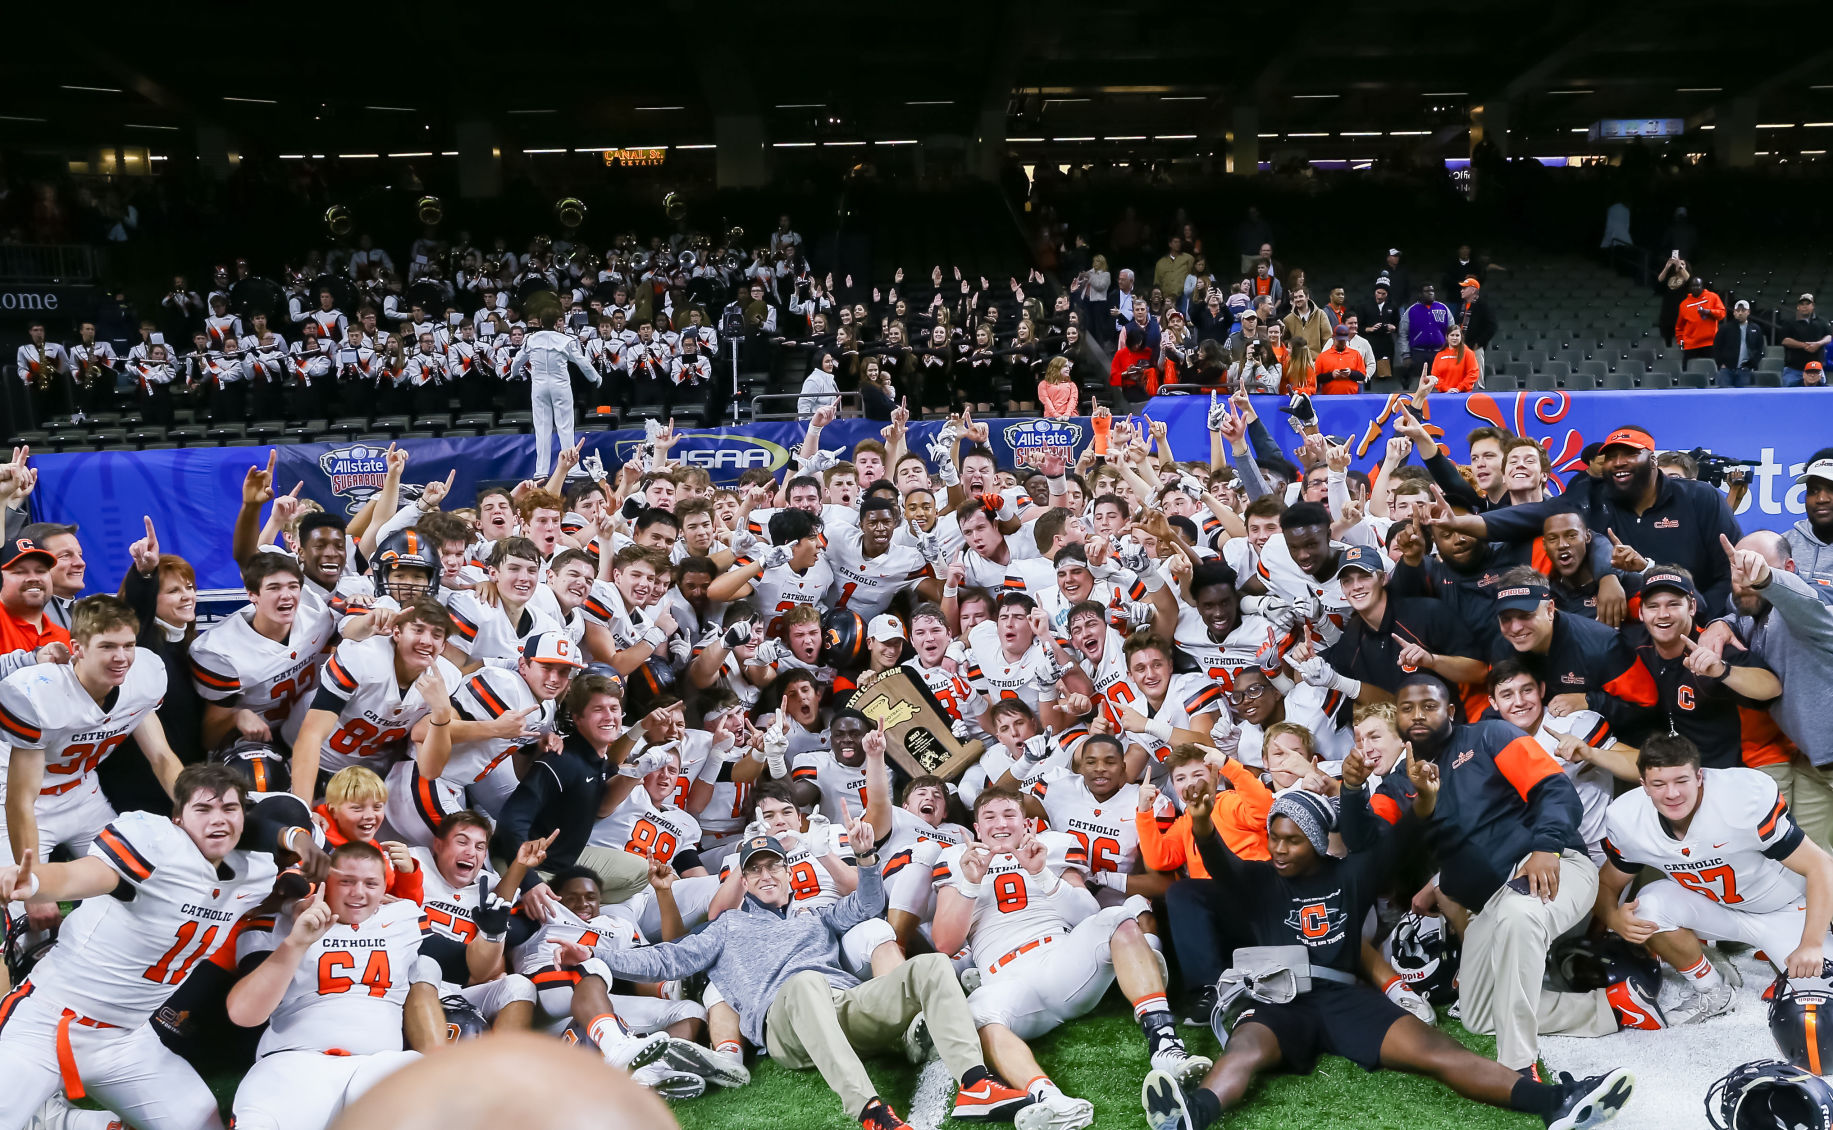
(781, 971)
(1810, 541)
(1784, 624)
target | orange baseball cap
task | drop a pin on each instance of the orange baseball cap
(1472, 281)
(1629, 437)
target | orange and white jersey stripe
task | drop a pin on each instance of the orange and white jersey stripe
(44, 707)
(235, 666)
(346, 996)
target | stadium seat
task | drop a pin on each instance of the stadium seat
(476, 420)
(162, 446)
(1769, 378)
(220, 432)
(1692, 377)
(521, 416)
(266, 429)
(299, 433)
(33, 439)
(378, 439)
(426, 433)
(186, 434)
(1559, 371)
(432, 423)
(390, 424)
(503, 431)
(107, 437)
(1620, 379)
(142, 436)
(348, 425)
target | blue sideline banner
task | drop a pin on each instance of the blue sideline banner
(192, 494)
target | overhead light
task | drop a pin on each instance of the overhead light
(1311, 97)
(1126, 137)
(1445, 94)
(1579, 129)
(1822, 86)
(534, 111)
(1269, 135)
(356, 156)
(292, 156)
(1697, 89)
(595, 149)
(641, 109)
(1183, 98)
(1010, 140)
(1307, 135)
(1409, 132)
(1816, 125)
(698, 145)
(260, 101)
(1072, 139)
(1775, 125)
(1571, 92)
(448, 153)
(792, 144)
(544, 150)
(392, 109)
(426, 154)
(156, 157)
(1174, 137)
(900, 141)
(93, 89)
(143, 125)
(1360, 133)
(832, 144)
(932, 102)
(1048, 101)
(1813, 152)
(800, 105)
(18, 118)
(1708, 127)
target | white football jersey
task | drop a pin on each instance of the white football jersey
(867, 585)
(1222, 661)
(997, 677)
(1105, 828)
(1109, 675)
(730, 805)
(605, 606)
(1188, 696)
(843, 787)
(45, 707)
(1596, 787)
(955, 694)
(378, 713)
(603, 935)
(117, 959)
(235, 666)
(1005, 915)
(1733, 848)
(483, 766)
(1285, 579)
(350, 988)
(483, 631)
(637, 825)
(947, 531)
(811, 887)
(451, 911)
(782, 588)
(908, 830)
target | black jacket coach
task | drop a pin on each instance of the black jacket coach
(1500, 797)
(561, 791)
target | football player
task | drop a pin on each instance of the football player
(467, 912)
(257, 669)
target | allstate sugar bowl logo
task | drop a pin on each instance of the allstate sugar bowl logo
(1032, 440)
(356, 473)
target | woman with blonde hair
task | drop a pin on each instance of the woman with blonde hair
(1057, 394)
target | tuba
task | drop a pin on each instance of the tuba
(339, 221)
(430, 210)
(571, 212)
(674, 206)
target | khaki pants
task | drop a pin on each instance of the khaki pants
(622, 875)
(1505, 958)
(1808, 789)
(812, 1024)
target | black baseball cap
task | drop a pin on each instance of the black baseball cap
(1670, 580)
(18, 549)
(1363, 558)
(759, 845)
(1522, 598)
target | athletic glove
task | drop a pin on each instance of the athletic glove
(1318, 672)
(930, 546)
(492, 914)
(739, 634)
(776, 555)
(1132, 556)
(1217, 413)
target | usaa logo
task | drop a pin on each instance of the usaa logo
(356, 473)
(713, 451)
(1032, 440)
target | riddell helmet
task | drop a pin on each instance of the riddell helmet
(1425, 954)
(406, 549)
(462, 1018)
(265, 769)
(1629, 975)
(1769, 1093)
(1800, 1014)
(843, 640)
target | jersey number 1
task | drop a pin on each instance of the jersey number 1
(163, 972)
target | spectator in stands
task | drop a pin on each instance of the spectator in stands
(1399, 281)
(1737, 347)
(1475, 318)
(819, 387)
(1422, 328)
(1671, 284)
(1212, 318)
(1173, 268)
(1121, 311)
(1307, 323)
(1456, 367)
(44, 367)
(27, 633)
(1696, 324)
(1057, 394)
(1379, 320)
(1814, 375)
(1340, 369)
(1803, 340)
(1353, 323)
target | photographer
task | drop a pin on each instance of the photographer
(1252, 372)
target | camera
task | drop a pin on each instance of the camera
(1714, 469)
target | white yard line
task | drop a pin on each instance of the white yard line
(929, 1104)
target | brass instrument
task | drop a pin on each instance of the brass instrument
(430, 211)
(674, 206)
(571, 212)
(41, 380)
(338, 221)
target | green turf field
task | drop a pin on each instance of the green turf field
(1102, 1058)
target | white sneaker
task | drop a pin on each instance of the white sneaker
(631, 1052)
(919, 1046)
(1180, 1064)
(723, 1068)
(1055, 1111)
(58, 1114)
(1727, 968)
(668, 1082)
(1697, 1007)
(1415, 1004)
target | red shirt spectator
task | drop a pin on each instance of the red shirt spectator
(1701, 311)
(25, 587)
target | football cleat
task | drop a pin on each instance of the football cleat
(989, 1101)
(1634, 1007)
(1585, 1103)
(669, 1082)
(1055, 1111)
(723, 1068)
(879, 1116)
(1699, 1006)
(1173, 1060)
(1164, 1101)
(919, 1046)
(631, 1052)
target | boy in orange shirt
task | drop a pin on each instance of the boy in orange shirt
(355, 799)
